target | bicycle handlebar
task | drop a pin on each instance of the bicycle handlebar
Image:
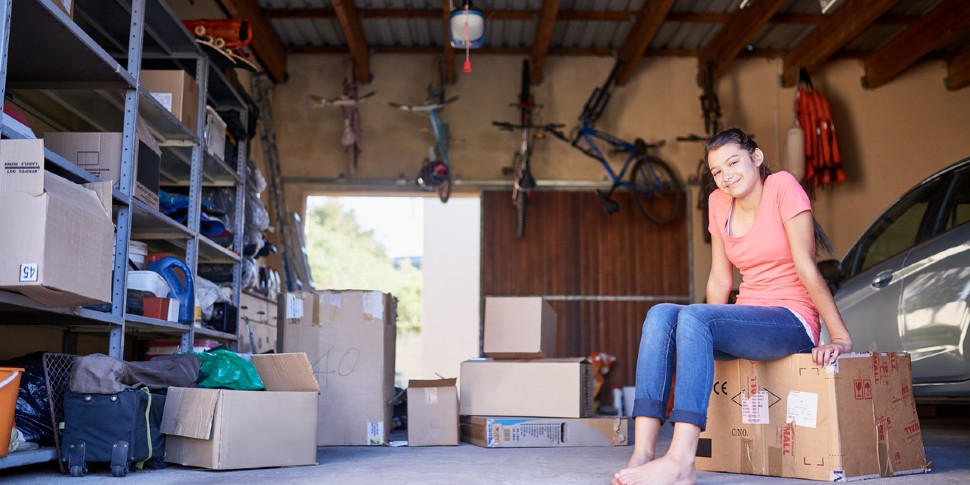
(692, 137)
(422, 107)
(549, 127)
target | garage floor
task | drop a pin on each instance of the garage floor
(947, 442)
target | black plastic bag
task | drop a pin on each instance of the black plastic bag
(32, 415)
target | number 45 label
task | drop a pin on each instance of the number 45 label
(28, 272)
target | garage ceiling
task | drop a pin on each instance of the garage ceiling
(887, 35)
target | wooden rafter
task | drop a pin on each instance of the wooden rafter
(266, 44)
(935, 28)
(350, 24)
(648, 22)
(738, 32)
(448, 55)
(540, 44)
(958, 71)
(847, 22)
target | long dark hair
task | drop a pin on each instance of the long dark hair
(743, 140)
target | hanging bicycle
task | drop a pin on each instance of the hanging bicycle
(350, 138)
(522, 180)
(657, 191)
(436, 170)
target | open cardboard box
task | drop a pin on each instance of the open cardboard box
(225, 430)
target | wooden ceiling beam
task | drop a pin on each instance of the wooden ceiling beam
(737, 33)
(354, 34)
(448, 54)
(553, 51)
(935, 28)
(266, 44)
(958, 71)
(540, 44)
(568, 15)
(648, 22)
(845, 24)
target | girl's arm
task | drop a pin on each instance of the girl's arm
(721, 279)
(801, 238)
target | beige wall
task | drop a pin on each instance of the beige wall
(891, 137)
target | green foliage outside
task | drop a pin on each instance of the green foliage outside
(344, 256)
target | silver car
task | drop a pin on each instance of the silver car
(905, 284)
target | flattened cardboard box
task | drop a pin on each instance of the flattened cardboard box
(225, 430)
(519, 328)
(57, 238)
(561, 388)
(432, 412)
(851, 420)
(517, 432)
(349, 337)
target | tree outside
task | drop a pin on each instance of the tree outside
(344, 255)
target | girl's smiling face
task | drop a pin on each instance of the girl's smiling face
(735, 170)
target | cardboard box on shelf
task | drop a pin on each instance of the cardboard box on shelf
(525, 432)
(227, 430)
(59, 251)
(215, 134)
(561, 388)
(100, 155)
(432, 412)
(175, 90)
(519, 328)
(349, 337)
(161, 308)
(850, 420)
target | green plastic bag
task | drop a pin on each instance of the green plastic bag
(225, 369)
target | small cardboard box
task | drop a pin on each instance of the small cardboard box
(432, 412)
(215, 134)
(505, 432)
(100, 155)
(57, 242)
(559, 388)
(854, 419)
(176, 91)
(519, 328)
(226, 430)
(349, 337)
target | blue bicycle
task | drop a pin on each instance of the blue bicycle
(657, 191)
(435, 173)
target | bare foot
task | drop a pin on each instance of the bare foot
(639, 458)
(666, 470)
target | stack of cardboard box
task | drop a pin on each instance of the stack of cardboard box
(349, 337)
(522, 395)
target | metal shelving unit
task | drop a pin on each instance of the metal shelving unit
(82, 74)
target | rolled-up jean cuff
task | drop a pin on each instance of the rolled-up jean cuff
(650, 408)
(678, 416)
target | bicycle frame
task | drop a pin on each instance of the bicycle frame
(348, 101)
(588, 134)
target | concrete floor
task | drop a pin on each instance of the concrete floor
(946, 440)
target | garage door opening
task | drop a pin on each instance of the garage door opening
(423, 252)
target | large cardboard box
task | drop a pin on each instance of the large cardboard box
(432, 412)
(349, 337)
(850, 420)
(505, 432)
(175, 90)
(57, 239)
(560, 388)
(519, 328)
(100, 155)
(225, 430)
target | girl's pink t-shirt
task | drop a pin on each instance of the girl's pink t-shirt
(762, 255)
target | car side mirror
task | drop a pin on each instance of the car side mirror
(831, 270)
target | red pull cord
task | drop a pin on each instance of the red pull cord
(464, 32)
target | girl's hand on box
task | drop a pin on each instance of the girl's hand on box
(826, 354)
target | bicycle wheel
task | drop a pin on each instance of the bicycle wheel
(657, 191)
(444, 190)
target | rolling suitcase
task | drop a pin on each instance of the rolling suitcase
(111, 428)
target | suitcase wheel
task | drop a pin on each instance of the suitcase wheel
(119, 470)
(77, 470)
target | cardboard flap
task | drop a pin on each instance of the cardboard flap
(286, 372)
(432, 382)
(23, 166)
(103, 191)
(189, 412)
(78, 196)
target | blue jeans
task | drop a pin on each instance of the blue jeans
(697, 334)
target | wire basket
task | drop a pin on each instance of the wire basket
(57, 373)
